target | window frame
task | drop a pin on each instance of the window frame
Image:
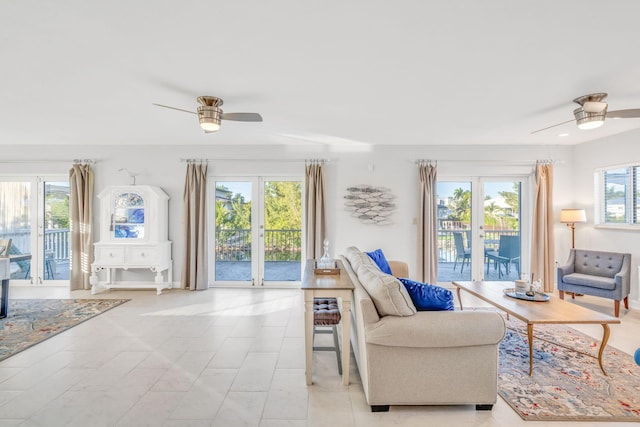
(631, 198)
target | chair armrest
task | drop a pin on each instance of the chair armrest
(569, 266)
(399, 268)
(623, 278)
(563, 270)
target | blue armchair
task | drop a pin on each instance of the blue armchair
(597, 273)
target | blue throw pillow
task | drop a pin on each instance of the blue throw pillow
(428, 297)
(378, 257)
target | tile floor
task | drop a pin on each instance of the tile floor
(222, 357)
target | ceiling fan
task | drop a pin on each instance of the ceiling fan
(593, 111)
(210, 114)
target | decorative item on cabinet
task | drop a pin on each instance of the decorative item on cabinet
(133, 235)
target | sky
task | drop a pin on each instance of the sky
(242, 187)
(491, 189)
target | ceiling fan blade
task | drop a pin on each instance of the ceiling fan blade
(552, 126)
(242, 117)
(174, 108)
(624, 114)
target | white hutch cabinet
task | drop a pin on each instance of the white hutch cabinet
(133, 234)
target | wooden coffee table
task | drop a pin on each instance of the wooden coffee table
(554, 311)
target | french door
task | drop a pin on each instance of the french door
(34, 214)
(480, 228)
(257, 237)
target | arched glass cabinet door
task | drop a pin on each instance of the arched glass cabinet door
(127, 219)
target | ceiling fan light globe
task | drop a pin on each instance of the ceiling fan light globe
(209, 118)
(594, 124)
(209, 127)
(587, 121)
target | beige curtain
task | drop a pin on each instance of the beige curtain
(195, 271)
(315, 204)
(542, 245)
(81, 234)
(427, 224)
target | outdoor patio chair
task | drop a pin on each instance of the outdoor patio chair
(508, 252)
(5, 246)
(461, 252)
(22, 260)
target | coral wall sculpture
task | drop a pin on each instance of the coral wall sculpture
(371, 205)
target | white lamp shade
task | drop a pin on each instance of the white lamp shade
(573, 216)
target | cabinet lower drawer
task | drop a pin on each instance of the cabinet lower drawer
(110, 255)
(142, 255)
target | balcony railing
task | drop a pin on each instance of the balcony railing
(447, 247)
(235, 245)
(280, 245)
(56, 242)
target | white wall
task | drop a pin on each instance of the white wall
(392, 167)
(616, 150)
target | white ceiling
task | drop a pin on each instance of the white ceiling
(320, 72)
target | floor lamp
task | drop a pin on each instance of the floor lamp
(571, 217)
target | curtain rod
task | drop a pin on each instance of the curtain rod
(501, 162)
(429, 162)
(92, 161)
(255, 160)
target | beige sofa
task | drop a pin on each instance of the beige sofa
(428, 358)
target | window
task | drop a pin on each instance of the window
(258, 231)
(34, 214)
(619, 196)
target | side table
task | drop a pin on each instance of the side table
(327, 286)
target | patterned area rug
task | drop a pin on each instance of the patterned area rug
(31, 321)
(567, 383)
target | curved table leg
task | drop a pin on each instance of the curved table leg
(459, 300)
(530, 337)
(605, 338)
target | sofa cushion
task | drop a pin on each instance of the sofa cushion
(438, 329)
(428, 297)
(589, 280)
(388, 294)
(357, 258)
(380, 260)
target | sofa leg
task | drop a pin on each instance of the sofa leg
(484, 407)
(616, 308)
(379, 408)
(561, 293)
(626, 302)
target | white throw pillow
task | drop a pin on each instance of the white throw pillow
(388, 294)
(357, 258)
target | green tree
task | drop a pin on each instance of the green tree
(239, 217)
(461, 205)
(282, 205)
(58, 213)
(512, 199)
(492, 214)
(233, 213)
